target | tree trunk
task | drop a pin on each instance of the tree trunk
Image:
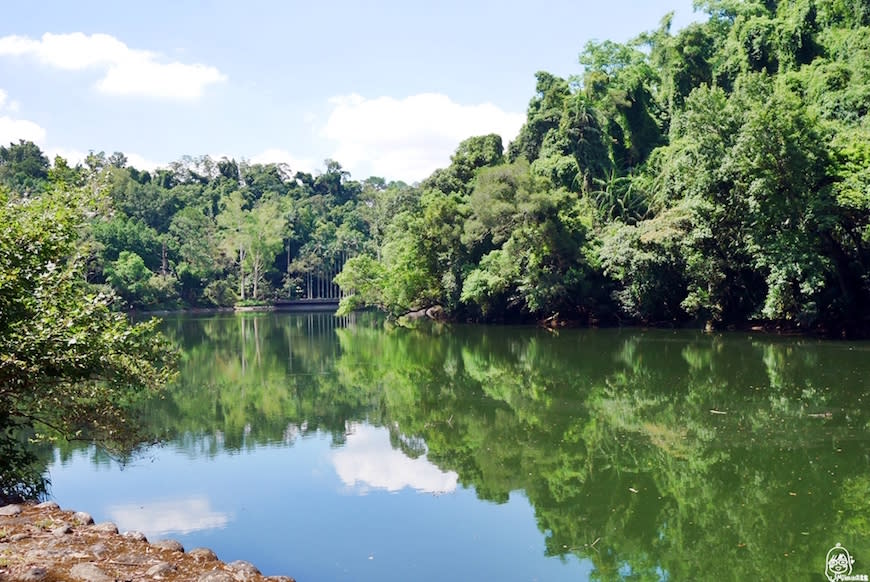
(255, 275)
(242, 273)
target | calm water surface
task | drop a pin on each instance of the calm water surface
(336, 449)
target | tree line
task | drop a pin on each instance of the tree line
(718, 174)
(204, 232)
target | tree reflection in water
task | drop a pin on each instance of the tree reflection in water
(654, 454)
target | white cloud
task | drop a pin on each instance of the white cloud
(74, 156)
(12, 130)
(71, 155)
(159, 518)
(367, 459)
(125, 71)
(5, 104)
(409, 138)
(72, 52)
(143, 163)
(279, 156)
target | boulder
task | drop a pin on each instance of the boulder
(89, 572)
(171, 545)
(9, 510)
(83, 518)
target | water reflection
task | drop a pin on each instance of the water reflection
(173, 516)
(650, 455)
(367, 460)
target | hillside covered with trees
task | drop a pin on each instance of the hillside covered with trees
(716, 174)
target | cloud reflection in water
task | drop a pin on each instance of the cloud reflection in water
(368, 461)
(179, 516)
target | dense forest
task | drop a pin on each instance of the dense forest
(717, 174)
(202, 232)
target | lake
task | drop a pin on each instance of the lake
(330, 448)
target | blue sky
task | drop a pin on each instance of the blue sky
(385, 87)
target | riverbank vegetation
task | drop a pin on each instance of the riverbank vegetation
(714, 174)
(71, 364)
(718, 174)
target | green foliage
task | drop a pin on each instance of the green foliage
(62, 176)
(131, 277)
(21, 475)
(23, 168)
(619, 80)
(538, 260)
(67, 360)
(493, 204)
(423, 256)
(471, 155)
(121, 234)
(363, 280)
(219, 294)
(544, 115)
(713, 174)
(138, 286)
(648, 262)
(779, 162)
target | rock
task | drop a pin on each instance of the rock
(98, 549)
(33, 574)
(435, 312)
(243, 570)
(89, 572)
(83, 518)
(135, 535)
(171, 545)
(106, 527)
(159, 569)
(203, 555)
(216, 576)
(8, 510)
(133, 559)
(48, 505)
(420, 313)
(62, 530)
(51, 545)
(39, 554)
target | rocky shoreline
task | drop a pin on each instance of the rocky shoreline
(42, 542)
